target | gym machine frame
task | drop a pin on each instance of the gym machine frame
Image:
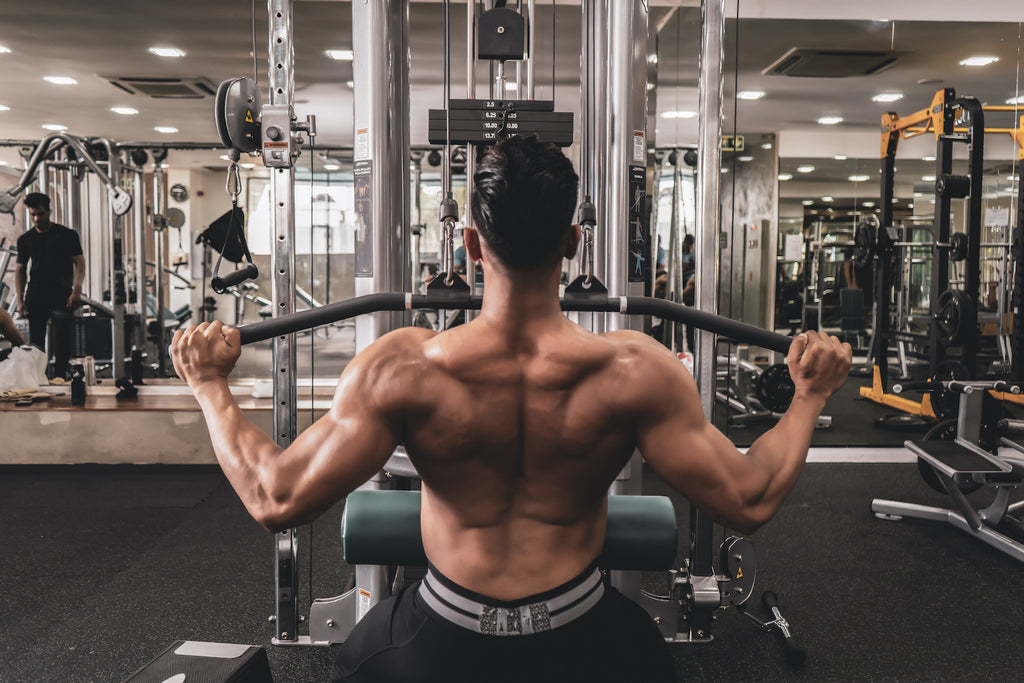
(940, 119)
(382, 139)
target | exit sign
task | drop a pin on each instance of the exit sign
(732, 143)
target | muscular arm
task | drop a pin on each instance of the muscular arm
(19, 288)
(76, 291)
(739, 490)
(8, 330)
(341, 450)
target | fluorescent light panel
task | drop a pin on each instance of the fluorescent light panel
(60, 80)
(805, 169)
(167, 52)
(678, 114)
(165, 129)
(124, 111)
(750, 94)
(888, 97)
(978, 61)
(830, 120)
(341, 55)
(54, 126)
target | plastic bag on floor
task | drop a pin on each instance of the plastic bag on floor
(23, 370)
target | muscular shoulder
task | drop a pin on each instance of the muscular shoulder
(389, 370)
(652, 373)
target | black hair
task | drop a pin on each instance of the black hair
(37, 200)
(524, 197)
(688, 240)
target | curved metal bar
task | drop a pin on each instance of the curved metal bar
(399, 301)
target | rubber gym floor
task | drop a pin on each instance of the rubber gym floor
(105, 566)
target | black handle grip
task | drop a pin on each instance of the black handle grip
(249, 271)
(1010, 426)
(770, 600)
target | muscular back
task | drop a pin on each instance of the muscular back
(517, 442)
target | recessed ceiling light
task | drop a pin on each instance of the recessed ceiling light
(225, 157)
(341, 55)
(928, 178)
(4, 107)
(919, 194)
(830, 120)
(725, 170)
(248, 165)
(858, 178)
(869, 204)
(1016, 100)
(805, 169)
(60, 80)
(350, 84)
(888, 97)
(826, 199)
(167, 52)
(331, 167)
(678, 114)
(927, 158)
(750, 94)
(895, 200)
(766, 145)
(978, 61)
(910, 205)
(125, 111)
(165, 129)
(511, 85)
(840, 157)
(3, 163)
(4, 50)
(650, 86)
(652, 59)
(746, 158)
(165, 165)
(785, 176)
(54, 126)
(807, 202)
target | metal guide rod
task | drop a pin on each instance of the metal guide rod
(531, 41)
(282, 194)
(139, 224)
(708, 193)
(159, 242)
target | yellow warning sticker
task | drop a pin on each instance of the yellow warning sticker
(248, 116)
(739, 572)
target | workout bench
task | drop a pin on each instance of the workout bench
(380, 527)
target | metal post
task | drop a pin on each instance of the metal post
(139, 220)
(380, 41)
(708, 202)
(282, 256)
(159, 258)
(531, 42)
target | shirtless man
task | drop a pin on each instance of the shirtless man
(517, 422)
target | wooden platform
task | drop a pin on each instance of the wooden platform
(163, 424)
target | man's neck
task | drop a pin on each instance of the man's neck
(44, 228)
(520, 302)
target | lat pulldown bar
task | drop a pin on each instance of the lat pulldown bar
(401, 301)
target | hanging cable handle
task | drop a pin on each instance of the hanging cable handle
(449, 216)
(249, 271)
(588, 219)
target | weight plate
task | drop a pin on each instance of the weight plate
(953, 316)
(958, 246)
(903, 422)
(864, 240)
(774, 388)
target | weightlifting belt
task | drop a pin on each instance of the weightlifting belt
(533, 614)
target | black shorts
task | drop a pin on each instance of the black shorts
(607, 638)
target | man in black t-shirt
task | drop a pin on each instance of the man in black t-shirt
(54, 280)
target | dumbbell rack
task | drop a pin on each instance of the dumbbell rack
(961, 465)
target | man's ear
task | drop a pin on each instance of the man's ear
(471, 238)
(572, 241)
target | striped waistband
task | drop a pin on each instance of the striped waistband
(534, 614)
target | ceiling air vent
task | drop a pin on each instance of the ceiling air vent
(164, 87)
(832, 63)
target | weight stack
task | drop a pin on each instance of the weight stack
(189, 661)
